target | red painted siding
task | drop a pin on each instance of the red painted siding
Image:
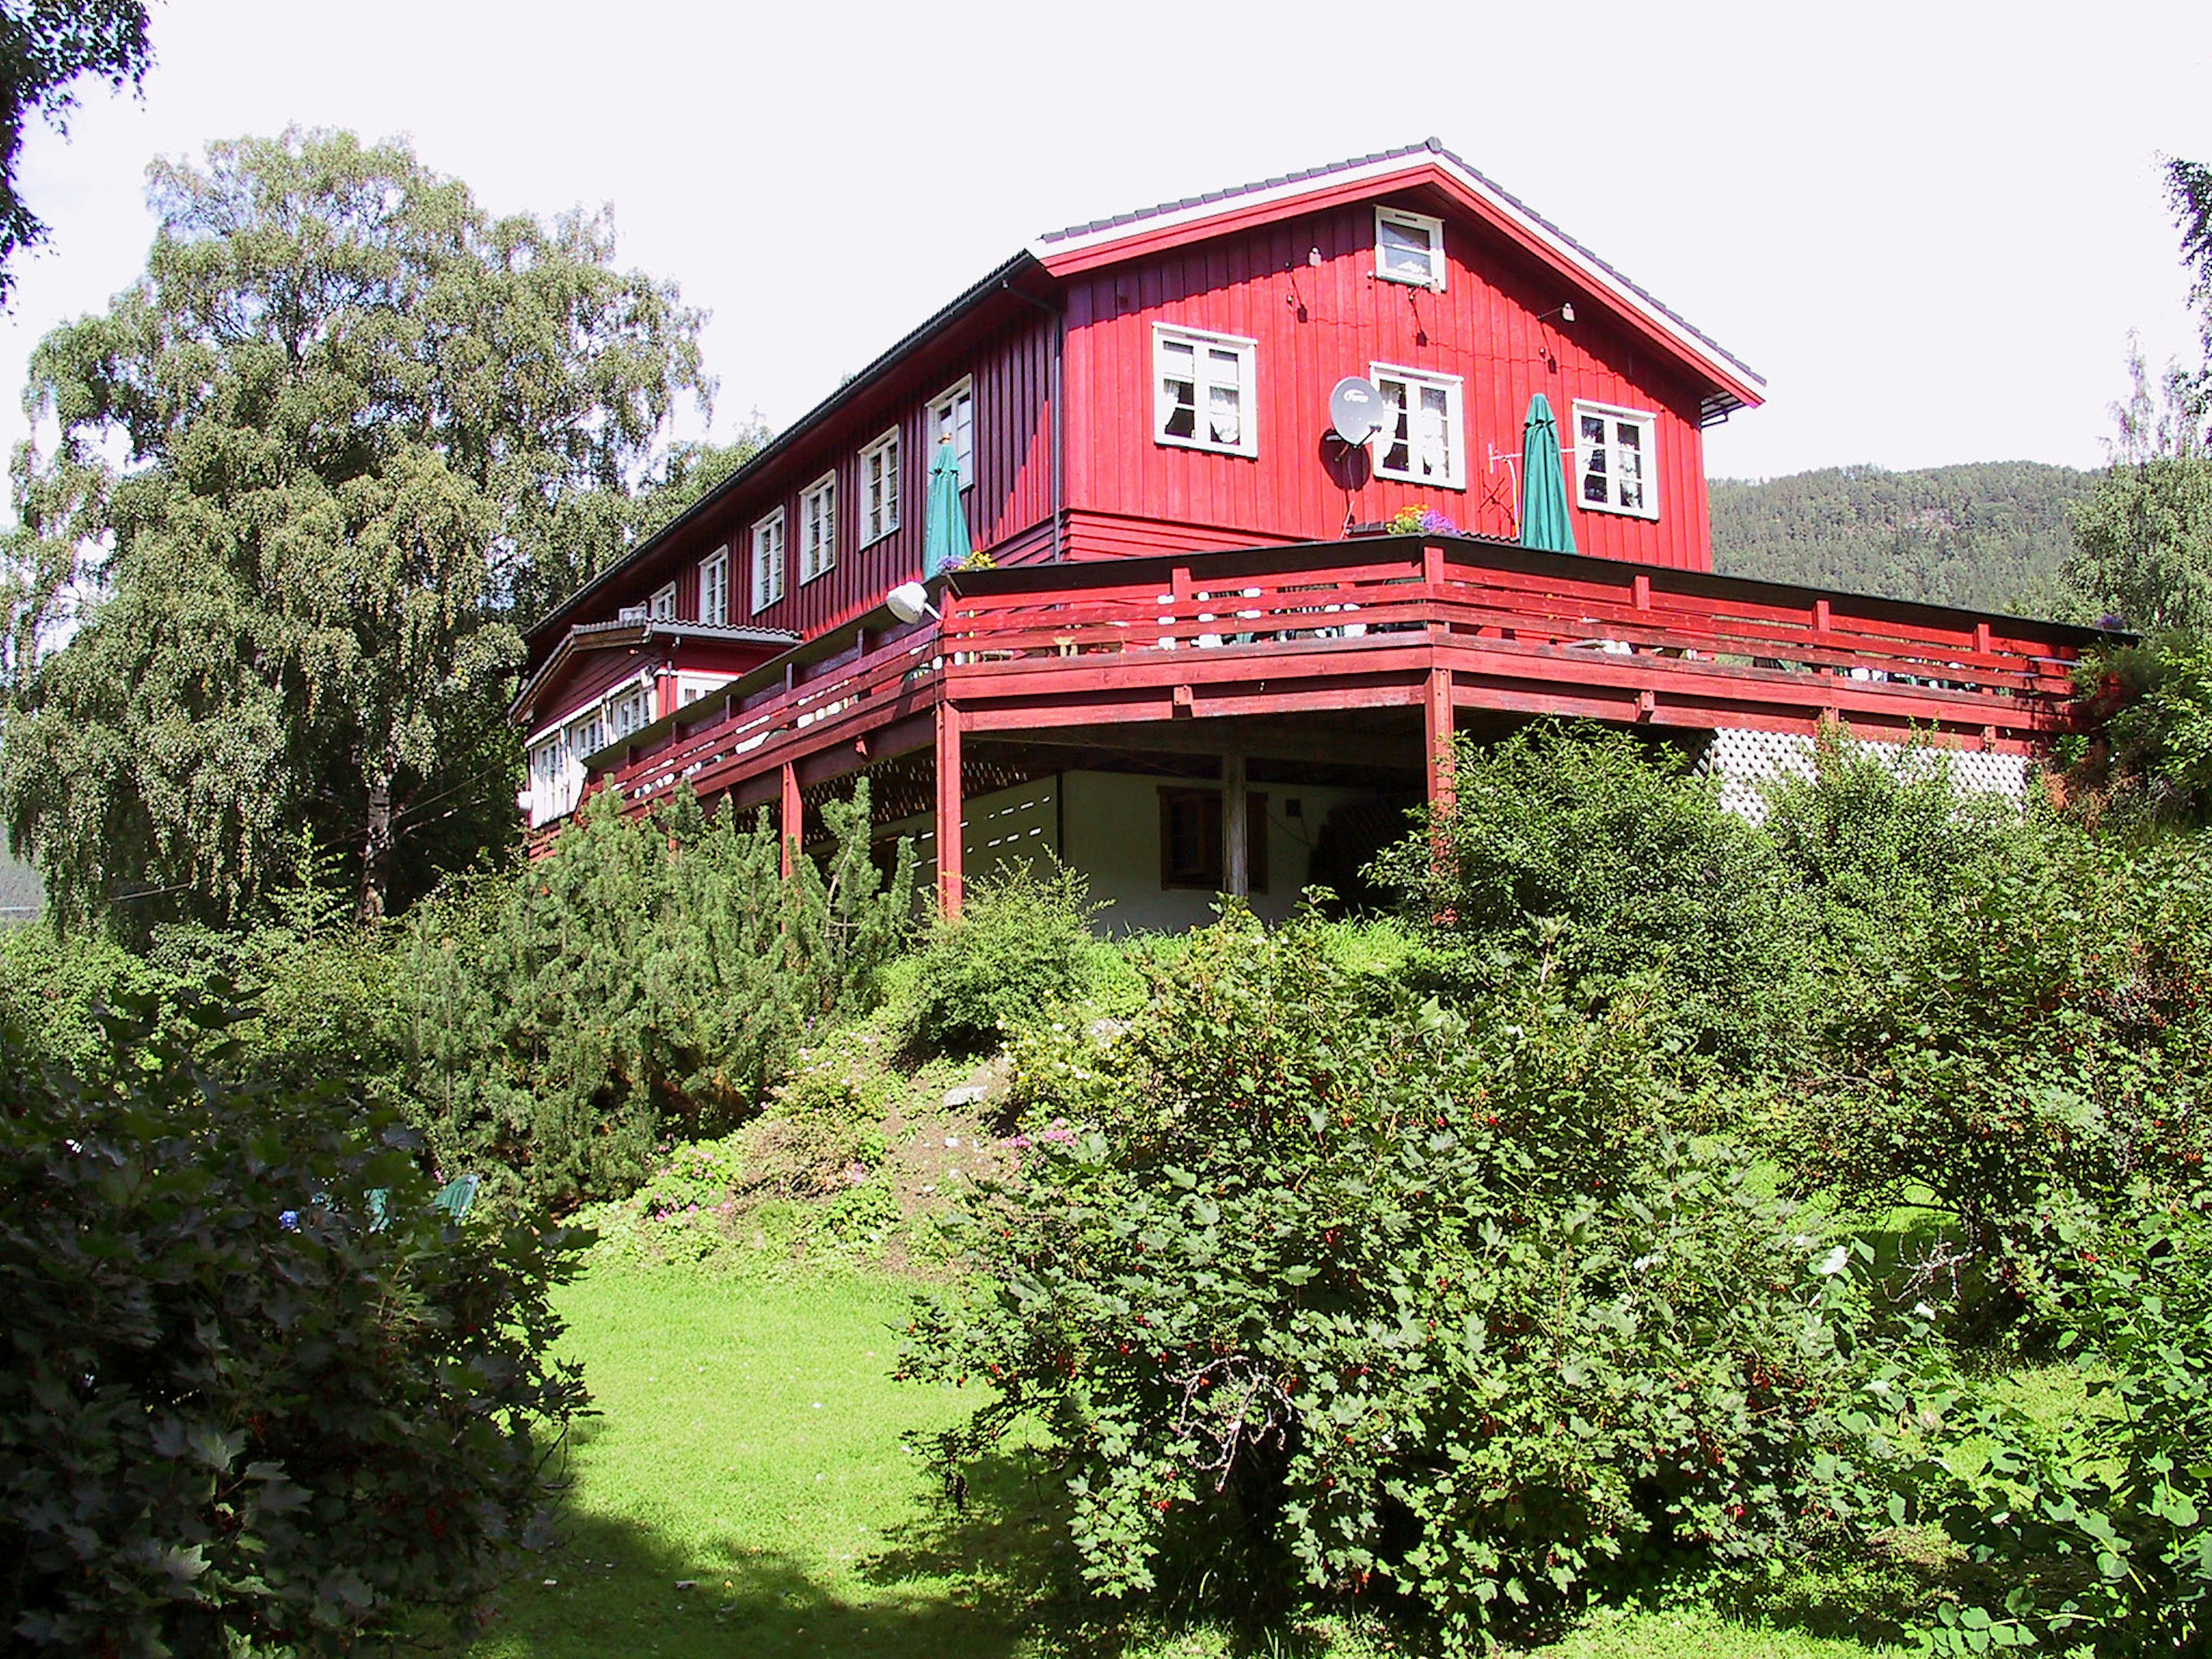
(1315, 324)
(1011, 494)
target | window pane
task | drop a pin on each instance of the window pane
(1406, 252)
(1222, 417)
(1180, 399)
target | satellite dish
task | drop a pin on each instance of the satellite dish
(1356, 409)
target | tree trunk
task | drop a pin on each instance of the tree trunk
(376, 852)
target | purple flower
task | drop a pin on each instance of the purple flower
(290, 1220)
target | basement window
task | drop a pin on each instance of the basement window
(1203, 390)
(1614, 449)
(1190, 841)
(1421, 440)
(1409, 248)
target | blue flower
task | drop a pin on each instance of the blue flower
(289, 1219)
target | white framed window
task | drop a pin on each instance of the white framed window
(879, 488)
(767, 561)
(1615, 456)
(714, 587)
(952, 415)
(661, 607)
(629, 710)
(1204, 391)
(818, 527)
(1423, 436)
(1409, 248)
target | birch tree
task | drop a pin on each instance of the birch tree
(299, 488)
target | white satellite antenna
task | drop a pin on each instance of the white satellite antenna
(1356, 409)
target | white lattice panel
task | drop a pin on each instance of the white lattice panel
(1746, 762)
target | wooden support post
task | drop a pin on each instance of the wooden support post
(1235, 830)
(790, 820)
(1437, 711)
(950, 829)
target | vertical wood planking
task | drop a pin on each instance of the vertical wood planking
(1484, 327)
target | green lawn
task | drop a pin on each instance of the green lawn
(750, 1444)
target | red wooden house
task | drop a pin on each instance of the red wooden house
(1193, 665)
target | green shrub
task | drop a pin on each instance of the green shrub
(1022, 949)
(1585, 855)
(238, 1413)
(646, 982)
(2153, 703)
(1876, 844)
(1312, 1285)
(2038, 1043)
(2100, 1520)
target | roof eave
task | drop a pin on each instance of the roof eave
(777, 447)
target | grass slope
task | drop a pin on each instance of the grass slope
(750, 1443)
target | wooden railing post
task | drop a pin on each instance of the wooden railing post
(950, 830)
(789, 822)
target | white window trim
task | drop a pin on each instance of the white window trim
(826, 484)
(1248, 390)
(1453, 387)
(889, 441)
(754, 596)
(1647, 419)
(940, 409)
(717, 563)
(1405, 221)
(555, 788)
(661, 607)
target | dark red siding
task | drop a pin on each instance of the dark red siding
(1316, 324)
(1012, 493)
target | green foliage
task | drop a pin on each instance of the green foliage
(644, 982)
(1989, 536)
(2101, 1519)
(369, 427)
(236, 1413)
(1313, 1285)
(1022, 949)
(45, 50)
(2152, 704)
(1876, 843)
(1631, 875)
(2037, 1039)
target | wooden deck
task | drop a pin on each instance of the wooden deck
(1446, 626)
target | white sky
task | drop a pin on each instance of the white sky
(1930, 226)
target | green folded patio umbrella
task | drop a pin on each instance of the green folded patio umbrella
(1545, 521)
(944, 540)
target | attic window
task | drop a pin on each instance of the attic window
(1409, 248)
(661, 607)
(1614, 450)
(1203, 390)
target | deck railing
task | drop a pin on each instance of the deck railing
(1489, 600)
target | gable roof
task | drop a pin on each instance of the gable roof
(1732, 383)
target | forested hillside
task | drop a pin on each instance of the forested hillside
(1991, 535)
